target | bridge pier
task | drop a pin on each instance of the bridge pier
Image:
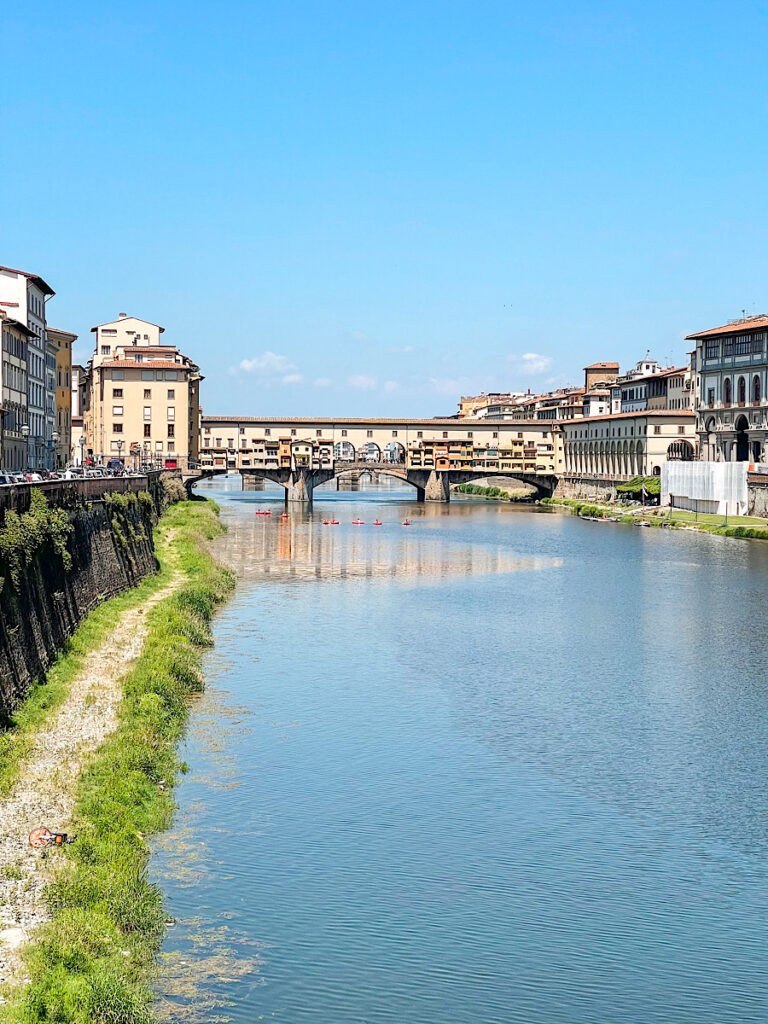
(438, 487)
(301, 484)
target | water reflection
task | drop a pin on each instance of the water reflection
(301, 548)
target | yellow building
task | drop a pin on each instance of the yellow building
(63, 342)
(141, 397)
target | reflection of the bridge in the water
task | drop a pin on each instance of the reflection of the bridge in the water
(302, 548)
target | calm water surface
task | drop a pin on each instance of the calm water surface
(503, 766)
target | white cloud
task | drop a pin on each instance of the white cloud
(292, 378)
(362, 382)
(390, 386)
(323, 382)
(530, 363)
(269, 364)
(445, 386)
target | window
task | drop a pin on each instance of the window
(147, 412)
(118, 375)
(727, 396)
(230, 442)
(158, 446)
(711, 397)
(657, 428)
(343, 433)
(172, 394)
(206, 430)
(742, 391)
(218, 442)
(293, 431)
(419, 433)
(147, 430)
(519, 436)
(171, 375)
(117, 428)
(681, 429)
(117, 392)
(117, 410)
(268, 431)
(495, 433)
(106, 349)
(470, 433)
(147, 392)
(743, 346)
(394, 433)
(369, 433)
(445, 433)
(171, 430)
(171, 446)
(108, 330)
(242, 429)
(756, 389)
(318, 433)
(172, 414)
(712, 350)
(147, 375)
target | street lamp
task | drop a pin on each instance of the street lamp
(81, 442)
(55, 442)
(25, 435)
(119, 444)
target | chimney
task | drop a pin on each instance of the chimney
(121, 316)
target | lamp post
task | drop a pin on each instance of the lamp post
(25, 435)
(55, 443)
(119, 444)
(81, 442)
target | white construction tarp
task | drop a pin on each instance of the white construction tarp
(716, 487)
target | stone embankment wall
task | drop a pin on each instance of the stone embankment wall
(589, 487)
(105, 546)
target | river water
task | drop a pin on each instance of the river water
(503, 765)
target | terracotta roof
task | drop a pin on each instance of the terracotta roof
(151, 364)
(734, 327)
(667, 413)
(326, 421)
(57, 330)
(32, 277)
(602, 366)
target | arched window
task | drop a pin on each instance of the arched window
(756, 389)
(727, 396)
(742, 391)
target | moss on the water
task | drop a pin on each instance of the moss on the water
(94, 960)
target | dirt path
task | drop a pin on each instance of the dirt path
(45, 793)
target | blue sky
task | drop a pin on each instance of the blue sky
(349, 208)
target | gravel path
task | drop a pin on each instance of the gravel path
(45, 794)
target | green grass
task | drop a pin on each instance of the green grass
(46, 695)
(683, 516)
(94, 960)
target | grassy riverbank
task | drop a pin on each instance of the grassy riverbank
(491, 493)
(93, 961)
(731, 526)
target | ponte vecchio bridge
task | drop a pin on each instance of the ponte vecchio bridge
(429, 454)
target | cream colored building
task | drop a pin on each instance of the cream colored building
(141, 397)
(624, 445)
(62, 433)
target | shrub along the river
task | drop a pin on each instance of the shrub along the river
(94, 958)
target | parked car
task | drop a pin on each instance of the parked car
(5, 478)
(72, 473)
(18, 478)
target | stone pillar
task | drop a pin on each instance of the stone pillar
(438, 487)
(299, 486)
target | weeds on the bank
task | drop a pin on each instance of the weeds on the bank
(94, 960)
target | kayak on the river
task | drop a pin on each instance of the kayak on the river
(358, 522)
(377, 522)
(406, 522)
